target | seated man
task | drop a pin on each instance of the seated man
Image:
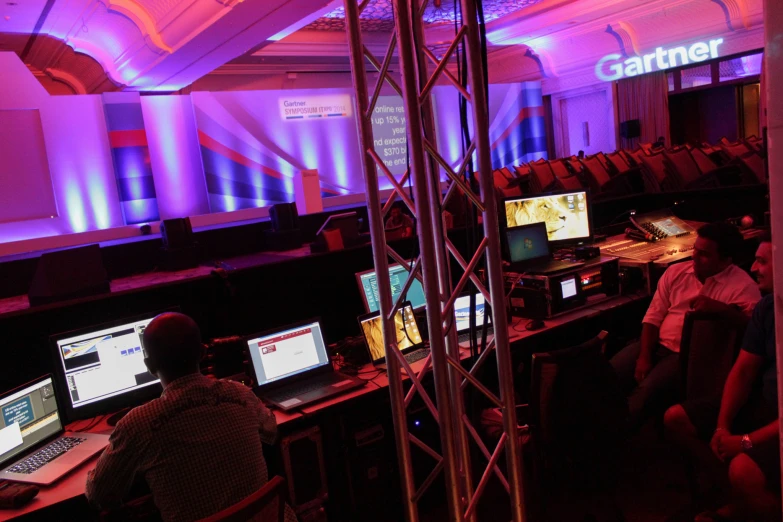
(649, 369)
(743, 426)
(397, 218)
(198, 446)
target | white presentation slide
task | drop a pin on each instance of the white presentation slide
(121, 360)
(10, 437)
(289, 355)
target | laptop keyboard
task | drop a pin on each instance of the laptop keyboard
(465, 337)
(47, 454)
(309, 385)
(417, 355)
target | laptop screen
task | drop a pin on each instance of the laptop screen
(462, 312)
(398, 274)
(287, 352)
(527, 243)
(27, 416)
(408, 334)
(104, 362)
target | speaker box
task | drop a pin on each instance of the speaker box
(69, 274)
(284, 217)
(630, 129)
(285, 233)
(176, 233)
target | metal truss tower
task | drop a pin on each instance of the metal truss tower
(420, 70)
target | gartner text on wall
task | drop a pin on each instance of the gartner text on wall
(615, 66)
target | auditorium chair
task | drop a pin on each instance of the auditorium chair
(752, 165)
(565, 179)
(656, 169)
(265, 505)
(601, 183)
(754, 142)
(684, 171)
(542, 178)
(646, 148)
(736, 149)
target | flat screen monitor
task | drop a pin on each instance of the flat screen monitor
(287, 352)
(101, 369)
(566, 214)
(398, 274)
(528, 244)
(462, 312)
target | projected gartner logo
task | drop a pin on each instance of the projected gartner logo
(612, 66)
(310, 107)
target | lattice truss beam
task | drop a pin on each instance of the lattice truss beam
(444, 359)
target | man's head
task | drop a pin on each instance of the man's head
(395, 212)
(715, 249)
(762, 266)
(172, 346)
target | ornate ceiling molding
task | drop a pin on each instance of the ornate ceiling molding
(626, 38)
(137, 14)
(736, 13)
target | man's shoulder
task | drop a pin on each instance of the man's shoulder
(766, 306)
(677, 270)
(737, 274)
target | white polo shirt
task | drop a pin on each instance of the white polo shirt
(679, 286)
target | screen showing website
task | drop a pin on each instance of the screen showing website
(105, 363)
(287, 353)
(462, 312)
(26, 418)
(398, 274)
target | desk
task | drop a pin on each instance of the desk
(71, 488)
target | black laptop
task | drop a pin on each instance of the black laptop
(528, 251)
(409, 340)
(292, 367)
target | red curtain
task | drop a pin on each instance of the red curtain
(645, 98)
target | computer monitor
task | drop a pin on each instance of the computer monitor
(348, 225)
(527, 244)
(462, 312)
(408, 335)
(101, 369)
(566, 214)
(287, 352)
(398, 274)
(29, 416)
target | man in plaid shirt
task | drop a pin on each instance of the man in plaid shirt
(198, 446)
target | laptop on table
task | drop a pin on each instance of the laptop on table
(409, 340)
(292, 367)
(462, 316)
(34, 447)
(528, 251)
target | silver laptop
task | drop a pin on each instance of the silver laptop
(462, 316)
(34, 447)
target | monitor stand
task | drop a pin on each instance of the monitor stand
(117, 417)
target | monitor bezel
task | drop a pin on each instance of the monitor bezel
(558, 243)
(371, 271)
(327, 366)
(527, 262)
(110, 404)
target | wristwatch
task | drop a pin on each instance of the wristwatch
(746, 443)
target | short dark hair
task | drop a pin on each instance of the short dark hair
(766, 236)
(727, 237)
(173, 342)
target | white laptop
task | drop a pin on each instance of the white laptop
(34, 447)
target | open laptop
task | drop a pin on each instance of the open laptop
(409, 340)
(292, 368)
(34, 447)
(528, 251)
(462, 316)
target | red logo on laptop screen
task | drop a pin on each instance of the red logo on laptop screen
(268, 349)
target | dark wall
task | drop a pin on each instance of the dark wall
(704, 116)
